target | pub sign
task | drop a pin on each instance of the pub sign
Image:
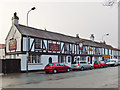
(12, 45)
(54, 47)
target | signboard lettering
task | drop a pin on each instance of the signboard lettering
(13, 45)
(54, 47)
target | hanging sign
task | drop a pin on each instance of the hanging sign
(13, 45)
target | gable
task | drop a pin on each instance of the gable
(13, 33)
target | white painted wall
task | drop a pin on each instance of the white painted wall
(44, 62)
(14, 33)
(2, 53)
(23, 62)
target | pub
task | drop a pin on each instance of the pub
(36, 47)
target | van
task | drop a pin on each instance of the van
(112, 62)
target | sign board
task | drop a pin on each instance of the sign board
(106, 56)
(13, 45)
(90, 49)
(54, 47)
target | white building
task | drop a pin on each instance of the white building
(2, 51)
(36, 47)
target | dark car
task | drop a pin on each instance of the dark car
(56, 67)
(100, 64)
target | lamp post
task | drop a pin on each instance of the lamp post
(29, 12)
(105, 35)
(27, 53)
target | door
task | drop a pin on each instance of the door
(12, 66)
(91, 60)
(50, 59)
(72, 62)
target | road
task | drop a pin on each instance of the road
(97, 78)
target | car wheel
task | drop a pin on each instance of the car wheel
(102, 66)
(68, 70)
(54, 71)
(114, 65)
(82, 68)
(91, 68)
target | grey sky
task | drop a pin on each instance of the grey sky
(69, 18)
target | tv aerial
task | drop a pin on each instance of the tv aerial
(110, 3)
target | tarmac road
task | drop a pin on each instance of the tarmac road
(97, 78)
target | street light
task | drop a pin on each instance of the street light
(27, 40)
(105, 35)
(28, 13)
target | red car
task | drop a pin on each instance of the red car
(56, 67)
(99, 64)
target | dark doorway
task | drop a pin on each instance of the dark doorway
(50, 59)
(90, 59)
(11, 66)
(72, 60)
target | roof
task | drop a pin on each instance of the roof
(30, 31)
(2, 46)
(33, 32)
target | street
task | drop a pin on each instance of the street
(97, 78)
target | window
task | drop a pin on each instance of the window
(61, 64)
(102, 62)
(62, 59)
(68, 59)
(50, 64)
(96, 58)
(37, 43)
(34, 59)
(96, 62)
(83, 62)
(82, 58)
(57, 64)
(66, 47)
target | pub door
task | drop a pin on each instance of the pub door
(50, 59)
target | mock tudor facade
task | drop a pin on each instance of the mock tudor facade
(36, 47)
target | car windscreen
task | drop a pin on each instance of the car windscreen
(102, 62)
(61, 64)
(108, 60)
(96, 62)
(83, 62)
(50, 64)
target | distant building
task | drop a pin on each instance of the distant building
(2, 51)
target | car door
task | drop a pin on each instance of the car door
(57, 66)
(62, 67)
(83, 64)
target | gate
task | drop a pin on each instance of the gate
(11, 65)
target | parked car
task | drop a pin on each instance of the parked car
(56, 67)
(99, 64)
(81, 66)
(112, 62)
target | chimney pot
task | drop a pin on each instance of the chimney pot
(15, 19)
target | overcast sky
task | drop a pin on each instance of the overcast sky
(68, 17)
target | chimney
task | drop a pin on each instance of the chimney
(77, 36)
(15, 19)
(92, 37)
